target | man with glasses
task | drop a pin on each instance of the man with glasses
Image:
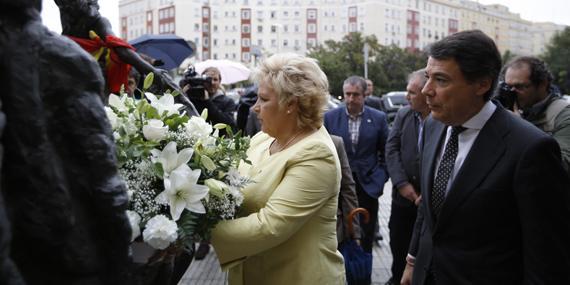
(538, 101)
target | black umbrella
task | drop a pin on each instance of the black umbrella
(171, 49)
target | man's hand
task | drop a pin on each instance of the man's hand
(407, 191)
(418, 200)
(407, 275)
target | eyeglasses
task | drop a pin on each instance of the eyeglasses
(518, 86)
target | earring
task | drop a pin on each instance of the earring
(288, 111)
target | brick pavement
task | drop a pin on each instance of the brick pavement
(207, 271)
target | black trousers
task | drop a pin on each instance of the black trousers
(401, 225)
(371, 205)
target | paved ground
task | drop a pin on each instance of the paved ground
(207, 271)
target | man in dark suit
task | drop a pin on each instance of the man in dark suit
(364, 131)
(495, 198)
(403, 161)
(369, 99)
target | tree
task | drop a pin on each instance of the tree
(388, 66)
(557, 57)
(391, 67)
(342, 59)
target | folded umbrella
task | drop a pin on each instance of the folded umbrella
(357, 262)
(170, 49)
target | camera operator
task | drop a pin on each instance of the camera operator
(527, 90)
(209, 96)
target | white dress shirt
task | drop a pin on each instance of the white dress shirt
(466, 139)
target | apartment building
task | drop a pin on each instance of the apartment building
(243, 30)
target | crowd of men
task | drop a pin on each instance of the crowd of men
(470, 160)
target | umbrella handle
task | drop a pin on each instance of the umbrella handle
(350, 218)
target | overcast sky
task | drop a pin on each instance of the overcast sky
(557, 11)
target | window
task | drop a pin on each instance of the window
(245, 56)
(312, 28)
(260, 29)
(245, 42)
(273, 14)
(206, 13)
(245, 14)
(273, 28)
(246, 29)
(311, 14)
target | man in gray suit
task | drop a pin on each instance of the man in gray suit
(403, 162)
(495, 197)
(347, 200)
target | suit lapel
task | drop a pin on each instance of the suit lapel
(343, 130)
(433, 140)
(364, 127)
(484, 154)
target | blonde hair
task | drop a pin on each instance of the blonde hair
(291, 75)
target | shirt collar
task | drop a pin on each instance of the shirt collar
(478, 121)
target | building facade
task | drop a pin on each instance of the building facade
(244, 30)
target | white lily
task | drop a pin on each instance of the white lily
(164, 104)
(181, 191)
(155, 130)
(170, 159)
(117, 102)
(112, 117)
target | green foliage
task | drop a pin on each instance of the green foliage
(187, 225)
(557, 57)
(388, 66)
(390, 69)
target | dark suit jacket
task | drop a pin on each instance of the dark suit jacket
(505, 218)
(402, 155)
(347, 200)
(374, 102)
(366, 159)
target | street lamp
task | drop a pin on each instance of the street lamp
(365, 50)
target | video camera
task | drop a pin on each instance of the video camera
(198, 83)
(506, 96)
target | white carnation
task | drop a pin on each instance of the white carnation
(160, 232)
(134, 220)
(197, 127)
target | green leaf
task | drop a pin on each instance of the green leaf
(159, 170)
(148, 81)
(175, 93)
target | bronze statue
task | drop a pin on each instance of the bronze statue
(63, 197)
